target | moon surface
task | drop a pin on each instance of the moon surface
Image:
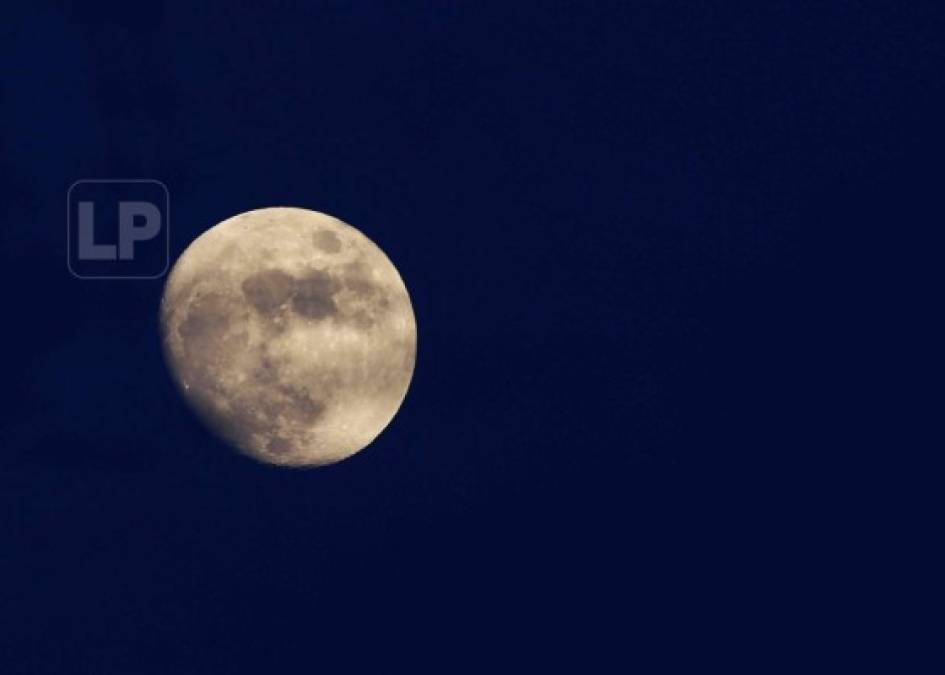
(291, 334)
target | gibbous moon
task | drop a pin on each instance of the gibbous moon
(291, 334)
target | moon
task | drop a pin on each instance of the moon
(291, 334)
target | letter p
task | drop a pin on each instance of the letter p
(129, 232)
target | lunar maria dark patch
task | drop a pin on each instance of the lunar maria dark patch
(327, 241)
(268, 290)
(312, 296)
(206, 330)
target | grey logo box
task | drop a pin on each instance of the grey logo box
(118, 228)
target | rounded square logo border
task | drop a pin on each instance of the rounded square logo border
(167, 227)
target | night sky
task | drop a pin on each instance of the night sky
(616, 223)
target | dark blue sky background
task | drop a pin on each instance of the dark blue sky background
(617, 224)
